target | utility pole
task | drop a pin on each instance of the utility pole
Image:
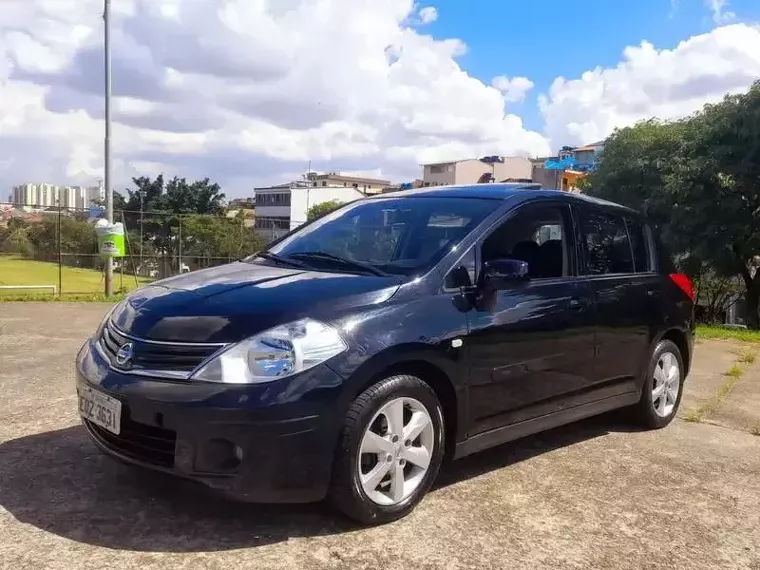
(142, 197)
(60, 258)
(107, 145)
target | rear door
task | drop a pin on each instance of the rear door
(616, 257)
(531, 351)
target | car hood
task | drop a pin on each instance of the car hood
(234, 301)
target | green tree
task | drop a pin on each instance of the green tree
(715, 293)
(18, 242)
(75, 239)
(699, 180)
(177, 220)
(210, 240)
(154, 206)
(322, 209)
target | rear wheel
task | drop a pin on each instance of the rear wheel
(663, 386)
(390, 450)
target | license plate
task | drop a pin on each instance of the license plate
(100, 409)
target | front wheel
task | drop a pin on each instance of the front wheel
(663, 386)
(390, 450)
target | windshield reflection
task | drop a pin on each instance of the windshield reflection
(393, 235)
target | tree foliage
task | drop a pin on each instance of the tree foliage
(322, 209)
(715, 294)
(17, 242)
(698, 179)
(171, 223)
(181, 218)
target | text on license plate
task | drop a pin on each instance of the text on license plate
(100, 409)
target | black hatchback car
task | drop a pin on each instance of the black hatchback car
(362, 349)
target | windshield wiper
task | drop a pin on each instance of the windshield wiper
(271, 256)
(322, 255)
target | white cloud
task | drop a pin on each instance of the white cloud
(244, 92)
(248, 92)
(673, 8)
(720, 13)
(514, 89)
(652, 83)
(428, 15)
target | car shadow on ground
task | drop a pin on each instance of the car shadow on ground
(58, 482)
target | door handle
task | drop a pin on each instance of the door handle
(577, 304)
(651, 292)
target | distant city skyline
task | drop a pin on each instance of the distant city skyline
(32, 196)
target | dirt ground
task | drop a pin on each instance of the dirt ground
(596, 494)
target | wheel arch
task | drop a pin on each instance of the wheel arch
(681, 340)
(436, 368)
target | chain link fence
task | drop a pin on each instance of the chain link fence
(58, 246)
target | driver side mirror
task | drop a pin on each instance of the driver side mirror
(503, 273)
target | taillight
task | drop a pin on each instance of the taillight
(684, 284)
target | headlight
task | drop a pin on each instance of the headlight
(275, 353)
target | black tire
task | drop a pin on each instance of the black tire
(346, 492)
(644, 412)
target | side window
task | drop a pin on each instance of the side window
(536, 235)
(463, 273)
(639, 246)
(606, 243)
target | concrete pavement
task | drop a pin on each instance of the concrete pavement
(596, 494)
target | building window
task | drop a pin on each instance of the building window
(324, 183)
(272, 223)
(279, 199)
(441, 168)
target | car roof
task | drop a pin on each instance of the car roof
(514, 191)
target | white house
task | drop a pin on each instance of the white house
(282, 208)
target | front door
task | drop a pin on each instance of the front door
(531, 350)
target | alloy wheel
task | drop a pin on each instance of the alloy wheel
(666, 384)
(395, 451)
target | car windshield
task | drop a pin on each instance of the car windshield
(393, 235)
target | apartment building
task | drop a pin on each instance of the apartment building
(477, 170)
(42, 195)
(338, 180)
(33, 196)
(565, 170)
(282, 208)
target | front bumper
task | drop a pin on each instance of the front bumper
(270, 443)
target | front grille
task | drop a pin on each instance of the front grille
(138, 441)
(152, 355)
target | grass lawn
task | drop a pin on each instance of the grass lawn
(726, 333)
(74, 281)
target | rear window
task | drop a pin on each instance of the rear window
(639, 246)
(664, 257)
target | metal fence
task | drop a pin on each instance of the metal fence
(58, 247)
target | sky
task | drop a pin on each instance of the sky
(250, 92)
